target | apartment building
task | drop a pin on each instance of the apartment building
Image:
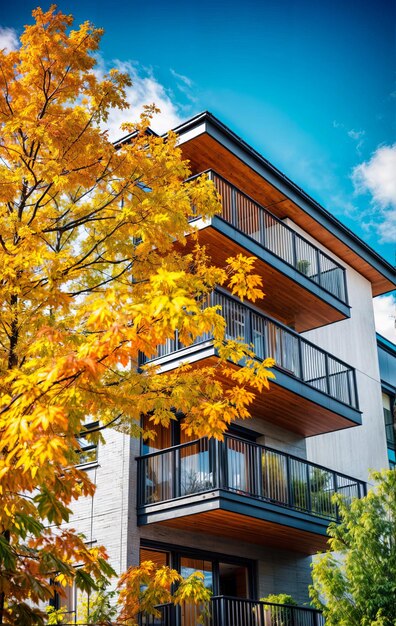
(251, 511)
(387, 365)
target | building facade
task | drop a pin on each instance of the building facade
(251, 511)
(387, 366)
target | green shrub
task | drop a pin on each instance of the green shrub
(280, 615)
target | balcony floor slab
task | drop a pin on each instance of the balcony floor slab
(237, 516)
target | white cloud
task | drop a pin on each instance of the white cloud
(185, 85)
(378, 177)
(8, 39)
(385, 312)
(356, 135)
(184, 79)
(146, 89)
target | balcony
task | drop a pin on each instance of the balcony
(314, 392)
(237, 488)
(304, 287)
(226, 611)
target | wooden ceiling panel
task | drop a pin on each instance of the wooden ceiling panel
(285, 299)
(204, 153)
(223, 523)
(285, 408)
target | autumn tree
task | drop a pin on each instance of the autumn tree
(90, 278)
(354, 583)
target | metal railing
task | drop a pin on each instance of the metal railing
(253, 220)
(245, 468)
(292, 353)
(227, 611)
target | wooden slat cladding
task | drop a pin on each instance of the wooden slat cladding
(285, 408)
(204, 152)
(223, 523)
(285, 299)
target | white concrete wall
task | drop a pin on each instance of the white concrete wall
(353, 451)
(103, 517)
(276, 437)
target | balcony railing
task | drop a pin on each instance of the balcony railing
(274, 235)
(245, 468)
(226, 611)
(292, 353)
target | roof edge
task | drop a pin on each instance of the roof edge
(355, 242)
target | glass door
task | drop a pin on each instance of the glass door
(233, 580)
(191, 615)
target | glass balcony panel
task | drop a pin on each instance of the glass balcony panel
(278, 239)
(274, 476)
(322, 489)
(332, 277)
(307, 259)
(234, 315)
(240, 466)
(196, 474)
(158, 477)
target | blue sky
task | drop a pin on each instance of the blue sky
(311, 85)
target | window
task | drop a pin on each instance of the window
(159, 557)
(162, 437)
(388, 408)
(88, 444)
(74, 604)
(223, 575)
(66, 603)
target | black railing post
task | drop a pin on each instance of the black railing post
(262, 227)
(309, 495)
(319, 266)
(248, 327)
(300, 359)
(176, 473)
(355, 393)
(140, 499)
(289, 483)
(259, 470)
(344, 295)
(294, 250)
(348, 372)
(234, 208)
(221, 463)
(335, 484)
(177, 342)
(215, 462)
(326, 359)
(222, 613)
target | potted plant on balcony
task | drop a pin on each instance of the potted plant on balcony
(303, 266)
(279, 610)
